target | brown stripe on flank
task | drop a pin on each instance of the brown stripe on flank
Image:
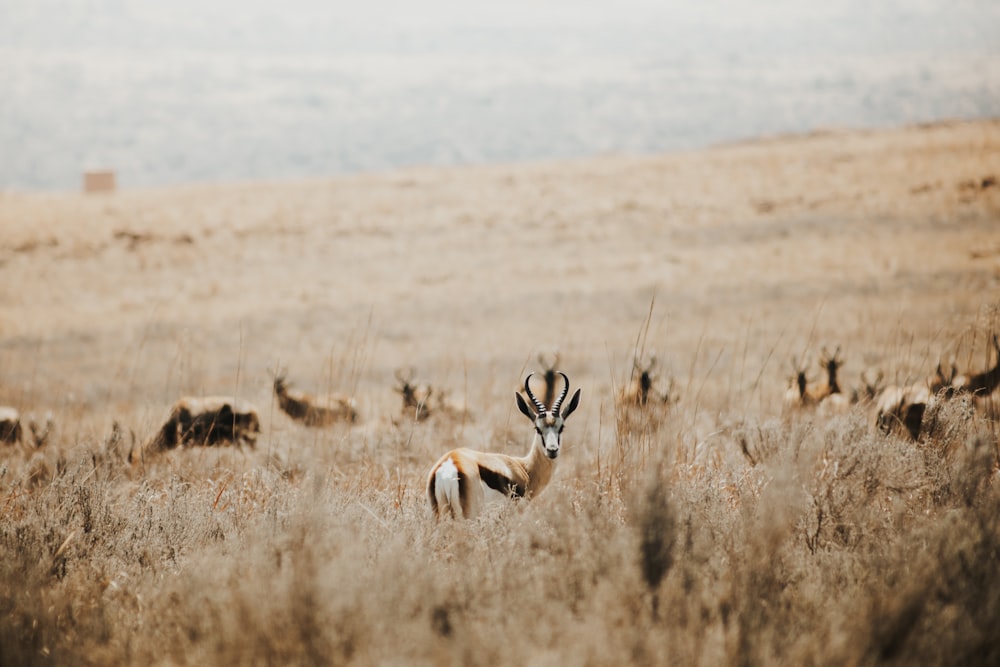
(463, 495)
(432, 492)
(501, 483)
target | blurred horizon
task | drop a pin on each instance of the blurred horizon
(251, 91)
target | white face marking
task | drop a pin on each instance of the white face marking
(550, 431)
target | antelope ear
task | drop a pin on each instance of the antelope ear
(522, 405)
(573, 403)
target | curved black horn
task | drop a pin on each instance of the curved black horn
(539, 407)
(562, 394)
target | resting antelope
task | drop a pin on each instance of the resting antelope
(421, 401)
(314, 410)
(903, 407)
(463, 480)
(10, 425)
(870, 387)
(979, 384)
(11, 432)
(208, 420)
(416, 397)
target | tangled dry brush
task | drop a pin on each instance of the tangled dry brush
(781, 541)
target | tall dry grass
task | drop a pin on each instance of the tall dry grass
(772, 541)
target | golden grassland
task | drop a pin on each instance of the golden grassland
(713, 532)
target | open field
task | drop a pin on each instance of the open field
(717, 533)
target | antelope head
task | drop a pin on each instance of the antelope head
(548, 360)
(646, 377)
(871, 383)
(414, 395)
(548, 422)
(831, 364)
(798, 379)
(279, 375)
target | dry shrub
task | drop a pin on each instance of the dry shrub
(799, 542)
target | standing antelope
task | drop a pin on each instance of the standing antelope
(870, 387)
(548, 360)
(831, 400)
(416, 397)
(831, 364)
(463, 480)
(640, 390)
(797, 396)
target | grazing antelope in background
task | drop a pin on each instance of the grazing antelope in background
(870, 387)
(314, 410)
(421, 401)
(979, 384)
(796, 396)
(640, 391)
(904, 407)
(416, 397)
(831, 364)
(10, 425)
(12, 433)
(830, 399)
(826, 395)
(463, 480)
(208, 420)
(549, 360)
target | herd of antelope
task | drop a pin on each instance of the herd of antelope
(898, 409)
(464, 480)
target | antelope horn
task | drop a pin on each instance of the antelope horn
(539, 408)
(562, 394)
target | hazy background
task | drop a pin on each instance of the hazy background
(204, 90)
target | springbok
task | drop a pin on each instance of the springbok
(463, 480)
(208, 420)
(11, 432)
(870, 387)
(422, 401)
(640, 391)
(10, 425)
(904, 407)
(830, 399)
(314, 410)
(416, 397)
(549, 360)
(831, 364)
(978, 384)
(796, 395)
